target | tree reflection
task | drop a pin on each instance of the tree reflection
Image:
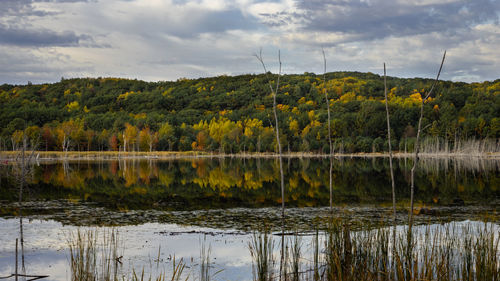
(257, 182)
(21, 170)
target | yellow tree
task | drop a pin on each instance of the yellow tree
(129, 136)
(147, 139)
(222, 127)
(78, 134)
(89, 135)
(252, 127)
(69, 131)
(17, 139)
(294, 127)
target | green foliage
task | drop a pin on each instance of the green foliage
(228, 103)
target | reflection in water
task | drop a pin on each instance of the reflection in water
(245, 193)
(227, 183)
(20, 171)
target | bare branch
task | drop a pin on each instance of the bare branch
(437, 78)
(261, 60)
(327, 102)
(417, 145)
(426, 126)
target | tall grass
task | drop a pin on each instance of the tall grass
(206, 273)
(263, 260)
(95, 257)
(83, 255)
(428, 252)
(467, 148)
(431, 252)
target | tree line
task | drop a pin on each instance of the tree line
(234, 114)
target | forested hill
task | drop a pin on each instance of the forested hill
(234, 113)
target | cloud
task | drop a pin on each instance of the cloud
(375, 19)
(17, 28)
(184, 20)
(168, 39)
(37, 38)
(28, 7)
(20, 65)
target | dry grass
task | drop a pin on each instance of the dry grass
(113, 155)
(95, 257)
(427, 253)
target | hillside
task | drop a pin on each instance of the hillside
(233, 113)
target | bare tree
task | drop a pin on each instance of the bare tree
(327, 102)
(390, 146)
(391, 168)
(329, 130)
(274, 91)
(409, 246)
(417, 142)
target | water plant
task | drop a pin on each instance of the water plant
(263, 262)
(96, 257)
(432, 252)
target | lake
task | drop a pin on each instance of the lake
(195, 208)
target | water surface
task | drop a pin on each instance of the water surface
(173, 206)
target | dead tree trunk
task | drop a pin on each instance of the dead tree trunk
(329, 132)
(417, 142)
(274, 92)
(391, 169)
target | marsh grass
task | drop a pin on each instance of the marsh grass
(429, 252)
(83, 255)
(263, 261)
(177, 270)
(445, 252)
(95, 256)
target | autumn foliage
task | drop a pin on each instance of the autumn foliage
(234, 114)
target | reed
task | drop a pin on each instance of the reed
(262, 251)
(83, 255)
(96, 257)
(93, 261)
(428, 252)
(466, 148)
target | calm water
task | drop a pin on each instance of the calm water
(177, 207)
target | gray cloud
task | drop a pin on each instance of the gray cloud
(16, 28)
(37, 38)
(20, 65)
(189, 22)
(376, 19)
(210, 21)
(25, 7)
(42, 40)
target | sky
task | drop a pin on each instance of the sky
(156, 40)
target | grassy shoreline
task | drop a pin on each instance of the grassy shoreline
(166, 155)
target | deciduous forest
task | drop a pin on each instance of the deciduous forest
(233, 114)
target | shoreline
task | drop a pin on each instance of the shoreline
(169, 155)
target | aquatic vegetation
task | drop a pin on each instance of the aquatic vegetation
(262, 251)
(90, 260)
(431, 252)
